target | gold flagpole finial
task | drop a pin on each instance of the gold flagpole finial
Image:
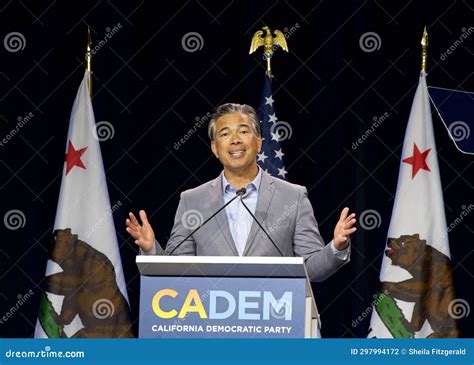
(424, 53)
(270, 44)
(89, 58)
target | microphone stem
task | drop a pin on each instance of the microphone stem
(261, 227)
(203, 223)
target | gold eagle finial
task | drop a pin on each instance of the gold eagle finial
(269, 42)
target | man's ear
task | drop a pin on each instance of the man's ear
(260, 144)
(214, 149)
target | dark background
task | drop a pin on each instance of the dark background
(151, 90)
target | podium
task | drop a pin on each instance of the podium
(226, 297)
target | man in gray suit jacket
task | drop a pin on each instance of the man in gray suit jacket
(283, 209)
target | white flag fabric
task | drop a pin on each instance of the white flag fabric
(417, 295)
(85, 292)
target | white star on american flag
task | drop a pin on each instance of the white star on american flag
(279, 154)
(261, 157)
(272, 118)
(269, 101)
(271, 156)
(282, 172)
(275, 136)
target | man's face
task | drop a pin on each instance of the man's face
(235, 143)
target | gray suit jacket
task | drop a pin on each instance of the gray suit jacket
(282, 208)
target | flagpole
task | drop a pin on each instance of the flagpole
(89, 58)
(424, 52)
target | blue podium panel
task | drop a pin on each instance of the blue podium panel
(221, 307)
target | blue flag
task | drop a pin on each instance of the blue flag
(273, 132)
(456, 109)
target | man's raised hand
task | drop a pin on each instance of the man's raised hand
(344, 228)
(142, 234)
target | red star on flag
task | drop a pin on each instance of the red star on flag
(73, 157)
(418, 160)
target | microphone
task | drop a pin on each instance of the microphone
(261, 227)
(238, 193)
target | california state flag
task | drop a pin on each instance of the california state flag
(416, 297)
(85, 293)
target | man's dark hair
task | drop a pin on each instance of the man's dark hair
(230, 108)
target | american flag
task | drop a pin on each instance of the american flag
(273, 132)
